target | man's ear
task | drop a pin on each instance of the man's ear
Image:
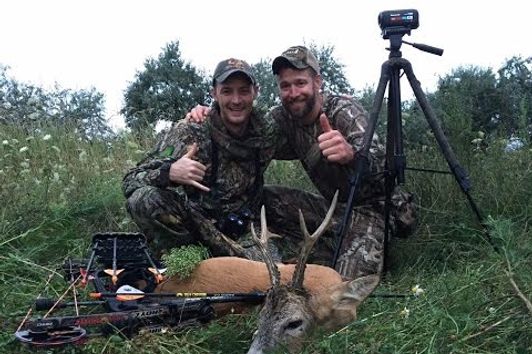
(318, 81)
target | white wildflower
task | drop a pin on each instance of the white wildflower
(492, 310)
(417, 290)
(25, 171)
(37, 181)
(24, 149)
(47, 137)
(25, 164)
(56, 177)
(5, 142)
(405, 312)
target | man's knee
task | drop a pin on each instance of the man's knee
(362, 248)
(149, 202)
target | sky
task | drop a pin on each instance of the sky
(104, 43)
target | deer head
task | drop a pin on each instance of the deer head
(290, 312)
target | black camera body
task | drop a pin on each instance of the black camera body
(236, 224)
(398, 22)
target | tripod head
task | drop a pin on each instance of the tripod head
(395, 24)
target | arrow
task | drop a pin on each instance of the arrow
(212, 297)
(114, 272)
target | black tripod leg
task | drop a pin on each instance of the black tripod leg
(395, 158)
(458, 171)
(361, 162)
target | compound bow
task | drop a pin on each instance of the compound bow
(124, 275)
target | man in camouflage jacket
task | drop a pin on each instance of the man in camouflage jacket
(200, 173)
(324, 133)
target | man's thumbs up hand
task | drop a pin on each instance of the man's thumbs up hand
(324, 122)
(333, 144)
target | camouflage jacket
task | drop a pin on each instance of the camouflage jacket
(298, 141)
(235, 166)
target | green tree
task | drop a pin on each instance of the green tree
(468, 101)
(268, 94)
(515, 84)
(167, 88)
(32, 107)
(332, 71)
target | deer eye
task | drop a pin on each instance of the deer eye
(293, 324)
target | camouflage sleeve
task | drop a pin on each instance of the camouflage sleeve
(283, 148)
(154, 169)
(351, 119)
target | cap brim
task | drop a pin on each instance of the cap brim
(278, 63)
(225, 75)
(282, 61)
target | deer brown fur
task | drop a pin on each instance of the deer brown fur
(299, 297)
(240, 275)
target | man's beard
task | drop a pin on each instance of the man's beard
(307, 108)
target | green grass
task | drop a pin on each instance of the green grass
(59, 191)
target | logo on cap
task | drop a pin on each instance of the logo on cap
(295, 52)
(235, 63)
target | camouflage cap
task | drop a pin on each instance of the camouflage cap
(227, 67)
(299, 57)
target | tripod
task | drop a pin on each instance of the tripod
(395, 159)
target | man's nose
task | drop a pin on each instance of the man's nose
(293, 92)
(236, 98)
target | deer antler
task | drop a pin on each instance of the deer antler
(297, 279)
(262, 243)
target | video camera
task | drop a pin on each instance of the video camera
(398, 22)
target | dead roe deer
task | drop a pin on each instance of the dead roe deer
(316, 295)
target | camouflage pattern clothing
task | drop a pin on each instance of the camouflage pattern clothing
(362, 249)
(173, 215)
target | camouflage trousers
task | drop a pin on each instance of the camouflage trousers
(170, 220)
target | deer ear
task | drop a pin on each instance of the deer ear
(352, 293)
(338, 306)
